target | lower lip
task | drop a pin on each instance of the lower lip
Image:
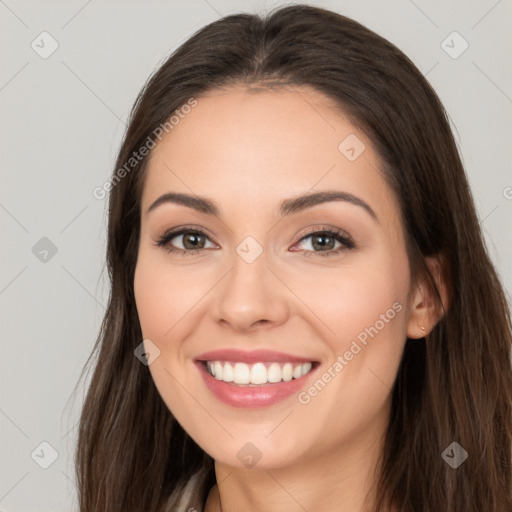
(263, 395)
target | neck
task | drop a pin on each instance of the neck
(330, 481)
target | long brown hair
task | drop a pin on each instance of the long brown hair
(455, 385)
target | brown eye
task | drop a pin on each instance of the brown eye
(323, 242)
(192, 241)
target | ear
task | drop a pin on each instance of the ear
(426, 308)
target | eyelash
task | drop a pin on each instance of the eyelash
(345, 240)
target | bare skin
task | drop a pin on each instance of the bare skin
(248, 152)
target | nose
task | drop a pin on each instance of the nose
(251, 296)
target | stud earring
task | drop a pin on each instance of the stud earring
(423, 328)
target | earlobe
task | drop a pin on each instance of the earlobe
(420, 319)
(427, 308)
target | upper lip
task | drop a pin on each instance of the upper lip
(242, 356)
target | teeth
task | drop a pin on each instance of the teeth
(241, 374)
(258, 373)
(227, 374)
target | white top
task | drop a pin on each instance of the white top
(189, 502)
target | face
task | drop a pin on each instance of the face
(274, 287)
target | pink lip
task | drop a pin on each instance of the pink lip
(252, 397)
(260, 355)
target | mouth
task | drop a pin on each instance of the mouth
(257, 374)
(254, 379)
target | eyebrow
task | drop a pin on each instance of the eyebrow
(287, 207)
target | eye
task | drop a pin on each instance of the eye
(325, 241)
(192, 241)
(322, 242)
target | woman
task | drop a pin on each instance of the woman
(303, 315)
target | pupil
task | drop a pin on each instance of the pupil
(321, 237)
(192, 236)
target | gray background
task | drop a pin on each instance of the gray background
(62, 118)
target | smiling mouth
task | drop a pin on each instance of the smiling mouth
(259, 373)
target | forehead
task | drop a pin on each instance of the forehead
(257, 147)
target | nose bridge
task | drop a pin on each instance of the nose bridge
(250, 292)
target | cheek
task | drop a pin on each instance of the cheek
(363, 310)
(347, 301)
(365, 316)
(164, 295)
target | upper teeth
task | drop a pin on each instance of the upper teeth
(258, 373)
